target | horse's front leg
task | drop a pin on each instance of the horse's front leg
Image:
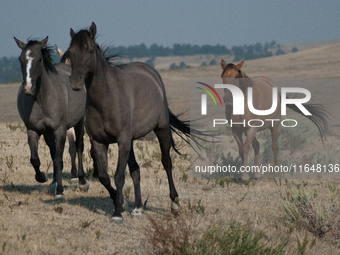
(33, 139)
(256, 147)
(60, 137)
(79, 131)
(251, 133)
(124, 148)
(99, 154)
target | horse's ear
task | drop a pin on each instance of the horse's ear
(60, 52)
(43, 43)
(72, 33)
(239, 65)
(93, 30)
(223, 64)
(20, 44)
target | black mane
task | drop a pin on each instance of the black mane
(80, 40)
(110, 59)
(47, 56)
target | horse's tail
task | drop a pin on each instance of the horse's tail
(182, 129)
(320, 116)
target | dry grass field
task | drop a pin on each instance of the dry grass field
(293, 216)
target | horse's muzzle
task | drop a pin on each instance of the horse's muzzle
(77, 85)
(28, 88)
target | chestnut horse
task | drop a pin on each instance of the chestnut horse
(262, 89)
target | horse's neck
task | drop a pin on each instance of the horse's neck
(46, 88)
(243, 74)
(245, 82)
(97, 84)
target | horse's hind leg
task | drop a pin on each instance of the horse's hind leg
(238, 137)
(239, 141)
(135, 175)
(275, 144)
(33, 139)
(71, 136)
(251, 133)
(165, 140)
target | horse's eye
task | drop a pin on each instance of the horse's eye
(92, 50)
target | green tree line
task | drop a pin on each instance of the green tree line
(10, 67)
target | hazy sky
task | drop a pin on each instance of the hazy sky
(198, 22)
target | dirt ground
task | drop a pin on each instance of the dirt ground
(32, 222)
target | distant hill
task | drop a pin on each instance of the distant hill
(323, 61)
(179, 56)
(164, 63)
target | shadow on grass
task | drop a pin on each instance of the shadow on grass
(25, 189)
(101, 204)
(94, 204)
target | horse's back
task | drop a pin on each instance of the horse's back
(151, 76)
(146, 96)
(264, 81)
(262, 99)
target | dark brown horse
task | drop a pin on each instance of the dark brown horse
(126, 102)
(48, 106)
(262, 90)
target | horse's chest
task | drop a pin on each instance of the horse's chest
(101, 130)
(42, 121)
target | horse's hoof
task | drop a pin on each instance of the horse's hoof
(125, 205)
(59, 197)
(175, 206)
(116, 219)
(52, 189)
(137, 212)
(74, 180)
(245, 177)
(258, 176)
(84, 187)
(41, 178)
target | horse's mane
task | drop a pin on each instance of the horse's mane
(245, 81)
(110, 59)
(65, 57)
(80, 40)
(47, 56)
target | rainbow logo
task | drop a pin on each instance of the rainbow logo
(204, 97)
(208, 92)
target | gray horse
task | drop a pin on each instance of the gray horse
(126, 102)
(45, 106)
